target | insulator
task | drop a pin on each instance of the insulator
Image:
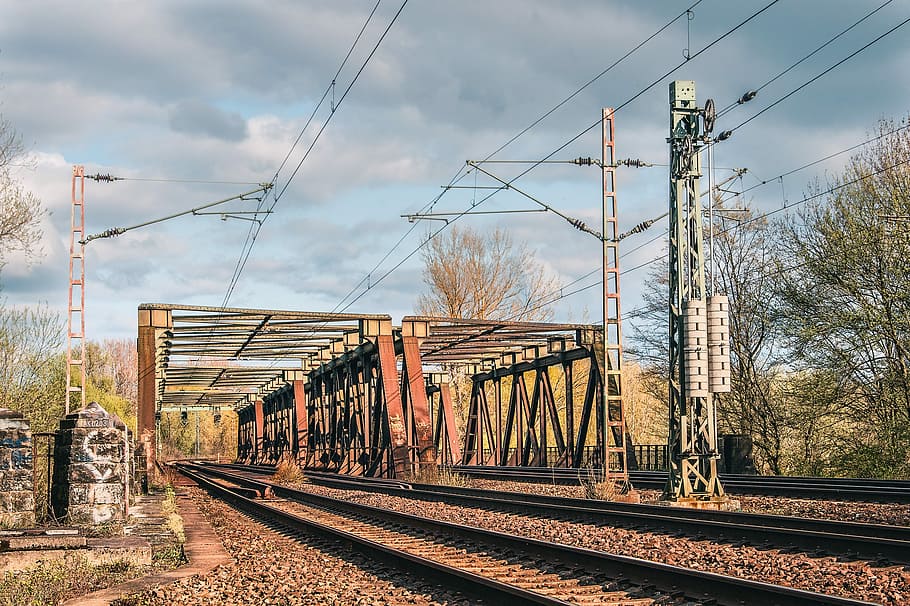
(695, 352)
(634, 163)
(106, 177)
(747, 97)
(724, 135)
(719, 344)
(641, 227)
(584, 161)
(578, 224)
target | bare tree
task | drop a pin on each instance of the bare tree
(646, 415)
(112, 365)
(744, 270)
(486, 277)
(31, 367)
(20, 210)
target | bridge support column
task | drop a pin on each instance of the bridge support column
(414, 392)
(300, 415)
(153, 323)
(258, 419)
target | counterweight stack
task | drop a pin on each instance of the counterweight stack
(695, 354)
(718, 344)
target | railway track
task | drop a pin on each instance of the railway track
(842, 489)
(807, 487)
(500, 567)
(875, 542)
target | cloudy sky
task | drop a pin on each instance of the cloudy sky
(219, 91)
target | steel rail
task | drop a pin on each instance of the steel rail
(451, 576)
(859, 540)
(840, 489)
(415, 490)
(723, 589)
(862, 541)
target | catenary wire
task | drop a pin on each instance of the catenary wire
(806, 57)
(820, 75)
(461, 173)
(758, 217)
(257, 227)
(253, 228)
(564, 145)
(781, 176)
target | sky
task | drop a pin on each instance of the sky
(169, 94)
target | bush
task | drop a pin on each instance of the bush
(288, 472)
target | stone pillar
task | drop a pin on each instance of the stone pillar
(17, 488)
(89, 468)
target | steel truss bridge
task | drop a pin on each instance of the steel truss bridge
(355, 394)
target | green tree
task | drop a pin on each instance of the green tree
(846, 300)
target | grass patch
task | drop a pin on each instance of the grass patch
(172, 520)
(598, 488)
(435, 474)
(107, 529)
(55, 581)
(288, 472)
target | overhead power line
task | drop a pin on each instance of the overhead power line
(758, 217)
(460, 173)
(245, 254)
(630, 100)
(812, 80)
(751, 94)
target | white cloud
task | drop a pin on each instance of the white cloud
(219, 90)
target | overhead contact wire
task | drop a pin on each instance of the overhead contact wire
(257, 227)
(566, 144)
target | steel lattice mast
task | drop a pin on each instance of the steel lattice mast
(75, 328)
(616, 466)
(692, 440)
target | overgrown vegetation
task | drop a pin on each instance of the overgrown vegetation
(55, 581)
(596, 486)
(172, 520)
(438, 475)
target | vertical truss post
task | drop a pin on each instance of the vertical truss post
(394, 408)
(692, 435)
(414, 393)
(615, 463)
(451, 433)
(259, 441)
(301, 418)
(152, 328)
(75, 325)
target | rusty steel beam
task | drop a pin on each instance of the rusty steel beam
(259, 431)
(414, 394)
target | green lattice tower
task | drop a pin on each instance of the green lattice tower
(692, 441)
